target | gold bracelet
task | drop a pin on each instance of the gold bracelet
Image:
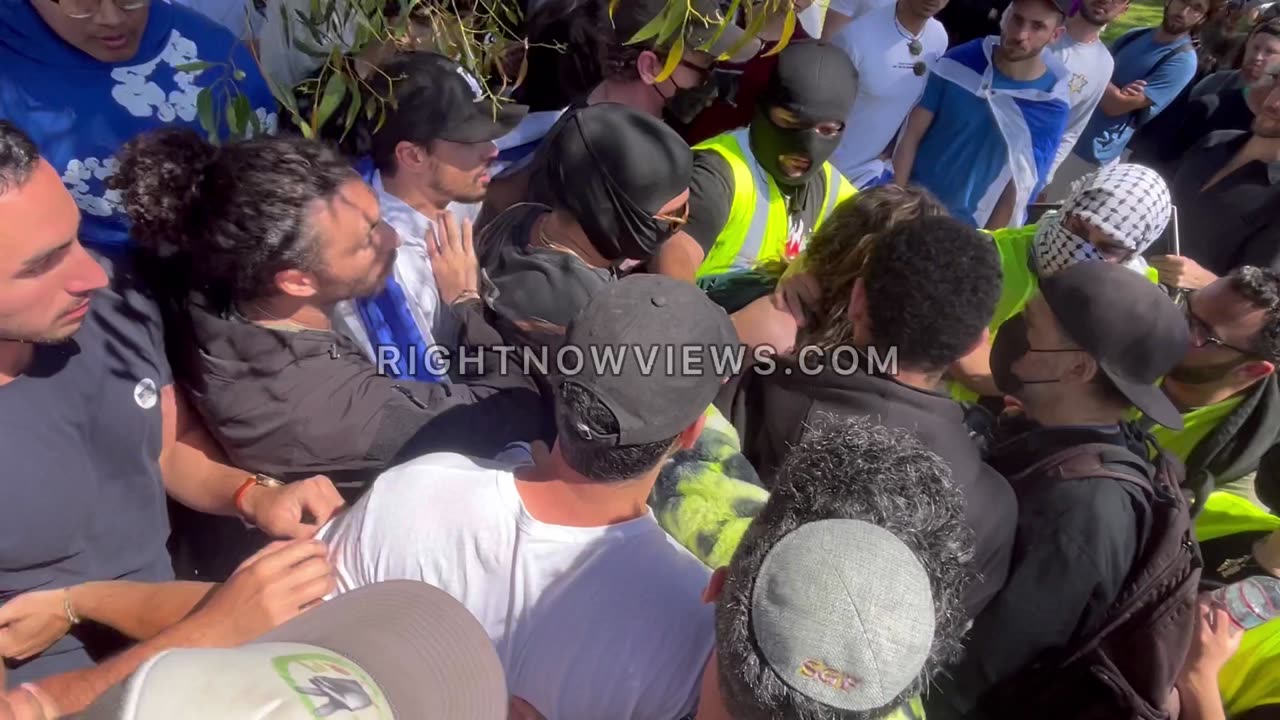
(66, 606)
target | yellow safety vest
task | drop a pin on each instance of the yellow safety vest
(1019, 283)
(756, 230)
(1251, 678)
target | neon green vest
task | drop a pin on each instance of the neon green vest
(756, 229)
(1019, 283)
(1251, 678)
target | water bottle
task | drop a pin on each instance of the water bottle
(1250, 602)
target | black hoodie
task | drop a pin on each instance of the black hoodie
(772, 412)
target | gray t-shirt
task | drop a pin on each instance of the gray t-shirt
(80, 434)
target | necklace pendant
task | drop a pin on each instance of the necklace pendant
(915, 47)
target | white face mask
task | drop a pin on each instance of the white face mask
(1129, 203)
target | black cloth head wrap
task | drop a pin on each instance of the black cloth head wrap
(815, 81)
(613, 168)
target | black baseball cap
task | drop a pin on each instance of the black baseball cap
(1128, 324)
(651, 316)
(705, 19)
(437, 99)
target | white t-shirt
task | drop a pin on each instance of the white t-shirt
(590, 623)
(887, 87)
(1090, 65)
(412, 271)
(855, 9)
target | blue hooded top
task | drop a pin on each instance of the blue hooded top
(80, 111)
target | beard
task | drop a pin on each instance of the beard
(1013, 54)
(1204, 374)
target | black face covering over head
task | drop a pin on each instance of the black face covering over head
(815, 82)
(613, 168)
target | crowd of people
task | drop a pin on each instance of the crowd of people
(923, 365)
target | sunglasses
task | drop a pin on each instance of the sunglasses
(915, 47)
(81, 9)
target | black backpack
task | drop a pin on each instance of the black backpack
(1126, 668)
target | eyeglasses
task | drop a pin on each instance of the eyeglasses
(1203, 334)
(81, 9)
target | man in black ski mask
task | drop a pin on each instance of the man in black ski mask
(617, 183)
(759, 192)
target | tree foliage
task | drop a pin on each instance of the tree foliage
(349, 39)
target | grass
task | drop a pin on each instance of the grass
(1142, 13)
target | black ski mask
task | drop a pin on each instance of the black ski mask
(815, 82)
(613, 168)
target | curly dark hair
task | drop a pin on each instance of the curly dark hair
(839, 247)
(567, 52)
(232, 216)
(1261, 287)
(598, 460)
(18, 156)
(847, 469)
(932, 285)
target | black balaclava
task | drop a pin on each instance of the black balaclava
(613, 168)
(817, 82)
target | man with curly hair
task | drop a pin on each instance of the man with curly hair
(922, 300)
(785, 646)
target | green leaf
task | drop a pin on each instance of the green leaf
(371, 109)
(233, 120)
(334, 91)
(238, 74)
(284, 96)
(204, 110)
(286, 25)
(244, 111)
(193, 67)
(310, 49)
(788, 29)
(730, 18)
(651, 28)
(673, 60)
(754, 27)
(307, 131)
(353, 112)
(676, 17)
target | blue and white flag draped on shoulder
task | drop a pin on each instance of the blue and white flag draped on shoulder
(1030, 120)
(405, 321)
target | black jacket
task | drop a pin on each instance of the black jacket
(306, 402)
(1245, 441)
(771, 413)
(1077, 541)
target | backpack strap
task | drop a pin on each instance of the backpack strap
(1092, 460)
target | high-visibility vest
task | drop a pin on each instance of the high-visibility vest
(1019, 282)
(758, 223)
(1251, 678)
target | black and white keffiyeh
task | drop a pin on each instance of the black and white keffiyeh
(1129, 203)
